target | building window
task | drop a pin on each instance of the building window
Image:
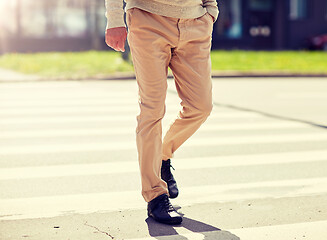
(261, 5)
(230, 19)
(47, 19)
(7, 18)
(298, 9)
(51, 18)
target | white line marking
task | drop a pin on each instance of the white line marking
(64, 119)
(130, 108)
(83, 102)
(50, 206)
(130, 116)
(257, 139)
(43, 102)
(180, 164)
(80, 147)
(307, 230)
(66, 94)
(302, 95)
(26, 112)
(196, 141)
(304, 230)
(210, 126)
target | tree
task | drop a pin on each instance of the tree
(18, 19)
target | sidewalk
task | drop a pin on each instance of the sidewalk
(227, 74)
(12, 76)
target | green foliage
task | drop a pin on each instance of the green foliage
(259, 61)
(67, 64)
(99, 64)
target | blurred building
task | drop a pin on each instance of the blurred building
(74, 25)
(51, 25)
(269, 24)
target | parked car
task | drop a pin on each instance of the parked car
(318, 42)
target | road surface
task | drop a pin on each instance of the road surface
(68, 165)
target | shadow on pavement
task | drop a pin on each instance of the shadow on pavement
(200, 231)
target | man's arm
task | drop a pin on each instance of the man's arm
(114, 13)
(116, 32)
(212, 8)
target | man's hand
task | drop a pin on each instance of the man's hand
(213, 19)
(116, 37)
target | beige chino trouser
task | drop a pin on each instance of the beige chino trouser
(184, 45)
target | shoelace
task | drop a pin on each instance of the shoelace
(167, 170)
(166, 205)
(171, 167)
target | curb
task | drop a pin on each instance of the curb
(131, 76)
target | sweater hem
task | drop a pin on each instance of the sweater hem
(167, 10)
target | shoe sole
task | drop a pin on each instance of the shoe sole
(172, 196)
(172, 222)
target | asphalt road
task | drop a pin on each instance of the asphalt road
(257, 169)
(299, 99)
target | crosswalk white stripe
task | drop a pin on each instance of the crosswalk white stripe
(8, 97)
(71, 110)
(304, 230)
(60, 132)
(106, 146)
(65, 119)
(307, 231)
(256, 139)
(248, 160)
(95, 101)
(180, 164)
(74, 102)
(129, 116)
(22, 95)
(86, 102)
(209, 126)
(44, 84)
(68, 170)
(196, 141)
(80, 109)
(11, 112)
(50, 206)
(87, 87)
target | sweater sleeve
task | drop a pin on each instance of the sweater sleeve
(212, 8)
(114, 13)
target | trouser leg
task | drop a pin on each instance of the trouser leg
(191, 67)
(150, 39)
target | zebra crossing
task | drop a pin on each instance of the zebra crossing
(70, 147)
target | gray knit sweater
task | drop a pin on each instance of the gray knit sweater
(168, 8)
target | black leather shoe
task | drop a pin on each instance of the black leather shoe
(168, 177)
(161, 210)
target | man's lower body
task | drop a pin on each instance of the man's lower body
(156, 43)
